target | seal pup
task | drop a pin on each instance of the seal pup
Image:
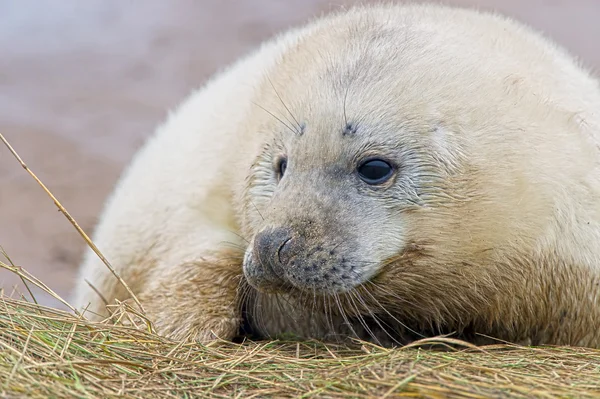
(387, 173)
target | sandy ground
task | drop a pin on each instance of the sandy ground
(82, 83)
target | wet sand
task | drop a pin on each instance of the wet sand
(83, 83)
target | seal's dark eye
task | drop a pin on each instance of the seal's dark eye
(281, 166)
(375, 171)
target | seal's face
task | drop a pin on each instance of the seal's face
(315, 229)
(329, 200)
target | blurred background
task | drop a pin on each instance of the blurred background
(82, 83)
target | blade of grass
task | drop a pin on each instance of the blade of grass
(73, 222)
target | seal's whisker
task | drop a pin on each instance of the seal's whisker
(361, 319)
(387, 292)
(299, 131)
(276, 117)
(374, 316)
(259, 313)
(344, 315)
(239, 235)
(289, 311)
(231, 259)
(328, 313)
(233, 245)
(246, 294)
(256, 208)
(344, 106)
(242, 287)
(366, 262)
(394, 318)
(244, 291)
(288, 301)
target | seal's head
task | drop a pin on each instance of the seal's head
(410, 158)
(329, 225)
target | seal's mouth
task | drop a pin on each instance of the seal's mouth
(279, 261)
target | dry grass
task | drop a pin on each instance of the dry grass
(49, 353)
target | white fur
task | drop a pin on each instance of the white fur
(181, 196)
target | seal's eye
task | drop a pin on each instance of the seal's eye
(281, 167)
(375, 171)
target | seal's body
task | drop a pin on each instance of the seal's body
(387, 172)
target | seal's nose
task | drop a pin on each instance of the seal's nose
(272, 249)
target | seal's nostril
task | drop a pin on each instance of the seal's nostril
(283, 251)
